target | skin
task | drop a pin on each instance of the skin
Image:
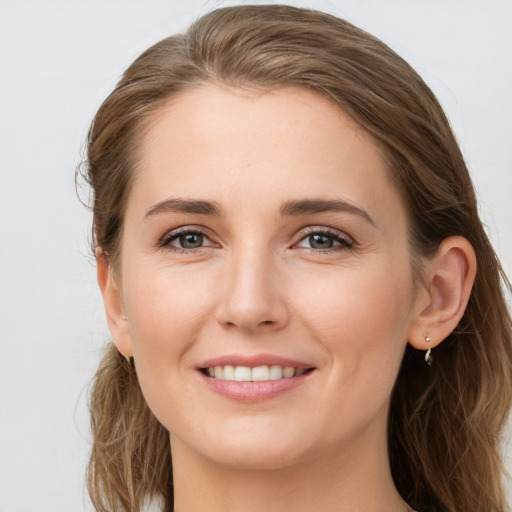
(259, 284)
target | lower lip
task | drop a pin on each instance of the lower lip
(253, 391)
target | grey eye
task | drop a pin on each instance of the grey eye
(186, 240)
(320, 241)
(325, 240)
(189, 241)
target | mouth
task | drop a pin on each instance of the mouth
(260, 373)
(254, 378)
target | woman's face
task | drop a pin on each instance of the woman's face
(264, 242)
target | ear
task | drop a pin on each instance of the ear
(112, 300)
(444, 294)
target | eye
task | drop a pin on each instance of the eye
(325, 240)
(186, 240)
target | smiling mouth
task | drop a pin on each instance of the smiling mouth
(254, 374)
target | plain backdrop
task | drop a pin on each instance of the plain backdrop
(58, 60)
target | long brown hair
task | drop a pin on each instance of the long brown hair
(445, 421)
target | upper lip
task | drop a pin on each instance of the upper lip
(253, 361)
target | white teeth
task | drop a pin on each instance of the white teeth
(256, 374)
(242, 374)
(288, 372)
(229, 372)
(260, 373)
(276, 372)
(223, 372)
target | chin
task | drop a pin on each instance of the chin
(244, 448)
(257, 458)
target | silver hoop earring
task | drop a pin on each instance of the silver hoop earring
(428, 353)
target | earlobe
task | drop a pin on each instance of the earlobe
(449, 278)
(112, 300)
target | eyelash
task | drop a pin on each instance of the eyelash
(345, 242)
(167, 240)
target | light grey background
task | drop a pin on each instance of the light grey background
(58, 60)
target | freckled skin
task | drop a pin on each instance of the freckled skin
(257, 286)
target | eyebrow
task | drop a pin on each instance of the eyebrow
(185, 206)
(311, 206)
(290, 208)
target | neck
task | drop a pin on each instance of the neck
(355, 479)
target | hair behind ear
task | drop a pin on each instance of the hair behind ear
(446, 419)
(130, 459)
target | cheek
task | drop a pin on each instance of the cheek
(362, 321)
(167, 308)
(361, 324)
(357, 302)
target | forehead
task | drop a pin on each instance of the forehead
(217, 114)
(227, 142)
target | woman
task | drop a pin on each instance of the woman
(306, 311)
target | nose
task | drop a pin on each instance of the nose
(253, 293)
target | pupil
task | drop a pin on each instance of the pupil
(320, 241)
(191, 241)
